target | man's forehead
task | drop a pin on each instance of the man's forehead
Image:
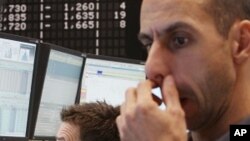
(162, 5)
(68, 132)
(154, 13)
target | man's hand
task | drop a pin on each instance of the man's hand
(142, 120)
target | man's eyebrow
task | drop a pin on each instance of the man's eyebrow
(176, 25)
(169, 29)
(143, 36)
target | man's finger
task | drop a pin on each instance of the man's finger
(170, 93)
(144, 91)
(130, 97)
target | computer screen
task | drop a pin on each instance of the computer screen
(107, 78)
(60, 89)
(17, 62)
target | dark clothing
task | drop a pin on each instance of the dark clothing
(226, 136)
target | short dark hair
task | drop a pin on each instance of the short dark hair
(97, 120)
(226, 12)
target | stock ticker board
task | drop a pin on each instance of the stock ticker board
(105, 27)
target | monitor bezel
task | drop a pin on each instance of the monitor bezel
(116, 59)
(32, 90)
(46, 48)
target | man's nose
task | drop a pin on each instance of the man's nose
(158, 62)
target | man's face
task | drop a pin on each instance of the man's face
(68, 132)
(185, 43)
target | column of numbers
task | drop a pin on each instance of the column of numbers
(15, 15)
(82, 15)
(121, 15)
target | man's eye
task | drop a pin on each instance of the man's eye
(148, 46)
(180, 41)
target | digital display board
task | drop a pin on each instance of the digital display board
(101, 27)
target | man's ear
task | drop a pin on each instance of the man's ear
(241, 44)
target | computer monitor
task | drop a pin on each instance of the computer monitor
(61, 87)
(108, 78)
(17, 72)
